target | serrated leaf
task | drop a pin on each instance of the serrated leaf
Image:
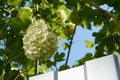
(89, 44)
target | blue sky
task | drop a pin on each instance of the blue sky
(79, 49)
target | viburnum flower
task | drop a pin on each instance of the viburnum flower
(62, 16)
(39, 42)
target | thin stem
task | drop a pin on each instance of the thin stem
(19, 75)
(36, 67)
(36, 61)
(12, 59)
(5, 10)
(104, 11)
(69, 48)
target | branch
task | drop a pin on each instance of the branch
(36, 67)
(69, 49)
(104, 11)
(46, 2)
(16, 78)
(5, 10)
(12, 59)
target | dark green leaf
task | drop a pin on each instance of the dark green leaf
(63, 67)
(59, 57)
(1, 67)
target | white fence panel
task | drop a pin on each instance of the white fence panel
(72, 74)
(104, 68)
(48, 76)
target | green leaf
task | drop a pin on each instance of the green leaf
(99, 2)
(65, 46)
(11, 75)
(1, 67)
(49, 63)
(110, 2)
(72, 4)
(86, 24)
(89, 44)
(25, 13)
(98, 21)
(59, 57)
(13, 2)
(81, 61)
(63, 67)
(88, 56)
(75, 17)
(14, 12)
(43, 68)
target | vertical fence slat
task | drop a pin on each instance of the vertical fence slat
(102, 69)
(46, 76)
(117, 65)
(76, 73)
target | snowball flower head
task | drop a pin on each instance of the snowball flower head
(39, 42)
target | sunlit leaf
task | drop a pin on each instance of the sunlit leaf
(13, 2)
(25, 13)
(89, 44)
(43, 68)
(65, 46)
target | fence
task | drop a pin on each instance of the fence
(105, 68)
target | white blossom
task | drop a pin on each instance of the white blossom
(62, 16)
(39, 42)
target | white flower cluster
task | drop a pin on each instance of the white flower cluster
(62, 16)
(39, 42)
